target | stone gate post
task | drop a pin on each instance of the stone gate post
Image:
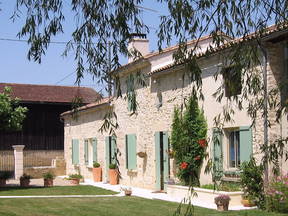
(18, 158)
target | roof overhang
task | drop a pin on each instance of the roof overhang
(272, 34)
(105, 102)
(131, 67)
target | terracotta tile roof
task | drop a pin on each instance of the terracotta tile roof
(101, 102)
(50, 93)
(268, 31)
(144, 58)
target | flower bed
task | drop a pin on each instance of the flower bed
(204, 195)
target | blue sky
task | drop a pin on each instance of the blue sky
(17, 69)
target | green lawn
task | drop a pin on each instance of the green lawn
(113, 206)
(56, 190)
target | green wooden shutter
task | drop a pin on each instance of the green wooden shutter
(245, 143)
(94, 144)
(217, 153)
(131, 152)
(113, 149)
(157, 161)
(165, 158)
(75, 151)
(107, 155)
(86, 153)
(126, 151)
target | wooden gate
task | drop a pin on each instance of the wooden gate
(7, 161)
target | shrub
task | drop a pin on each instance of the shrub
(112, 166)
(277, 194)
(222, 199)
(5, 175)
(188, 140)
(96, 164)
(252, 182)
(75, 176)
(223, 186)
(48, 175)
(25, 176)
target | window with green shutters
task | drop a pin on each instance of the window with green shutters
(239, 146)
(90, 151)
(75, 151)
(131, 159)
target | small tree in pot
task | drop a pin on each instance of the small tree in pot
(25, 180)
(252, 184)
(113, 174)
(97, 172)
(48, 179)
(3, 177)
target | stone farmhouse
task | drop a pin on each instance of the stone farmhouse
(142, 139)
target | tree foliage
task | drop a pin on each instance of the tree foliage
(11, 114)
(188, 140)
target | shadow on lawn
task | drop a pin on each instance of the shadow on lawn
(11, 187)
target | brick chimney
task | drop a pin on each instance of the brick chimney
(140, 43)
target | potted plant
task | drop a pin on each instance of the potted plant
(75, 178)
(25, 180)
(142, 154)
(48, 179)
(127, 191)
(97, 172)
(113, 174)
(3, 177)
(222, 202)
(247, 201)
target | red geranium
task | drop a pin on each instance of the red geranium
(202, 143)
(184, 165)
(197, 157)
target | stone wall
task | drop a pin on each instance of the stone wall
(86, 126)
(58, 168)
(36, 158)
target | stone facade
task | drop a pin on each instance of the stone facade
(156, 103)
(85, 126)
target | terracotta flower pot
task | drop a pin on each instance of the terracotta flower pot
(24, 182)
(128, 192)
(2, 182)
(48, 182)
(247, 203)
(113, 176)
(97, 174)
(75, 181)
(222, 207)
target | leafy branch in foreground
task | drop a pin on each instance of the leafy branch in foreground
(98, 21)
(12, 114)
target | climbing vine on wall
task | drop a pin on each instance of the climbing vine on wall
(188, 140)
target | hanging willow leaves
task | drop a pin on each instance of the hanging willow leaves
(100, 21)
